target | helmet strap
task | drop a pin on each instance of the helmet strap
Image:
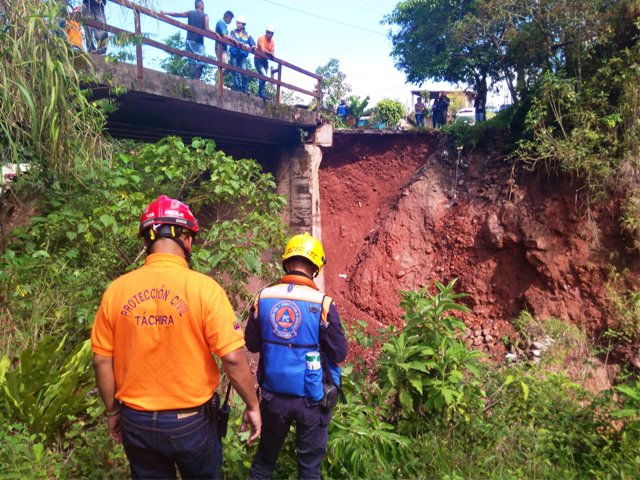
(166, 231)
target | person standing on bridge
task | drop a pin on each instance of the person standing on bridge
(195, 41)
(94, 10)
(297, 330)
(266, 46)
(153, 339)
(238, 54)
(223, 32)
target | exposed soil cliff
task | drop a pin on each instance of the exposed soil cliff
(396, 215)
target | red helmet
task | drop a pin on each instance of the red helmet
(167, 211)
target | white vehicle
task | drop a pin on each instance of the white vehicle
(10, 172)
(467, 115)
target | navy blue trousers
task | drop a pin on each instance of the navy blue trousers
(312, 433)
(155, 442)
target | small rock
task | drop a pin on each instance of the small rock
(536, 353)
(400, 274)
(477, 341)
(359, 204)
(486, 331)
(342, 275)
(478, 333)
(493, 232)
(464, 337)
(538, 243)
(460, 183)
(489, 339)
(511, 357)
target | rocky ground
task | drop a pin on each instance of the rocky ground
(397, 215)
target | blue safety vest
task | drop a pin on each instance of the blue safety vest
(290, 320)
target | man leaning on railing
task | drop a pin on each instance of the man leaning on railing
(195, 41)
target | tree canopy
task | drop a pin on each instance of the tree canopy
(334, 85)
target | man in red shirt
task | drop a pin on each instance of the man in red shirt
(267, 47)
(153, 339)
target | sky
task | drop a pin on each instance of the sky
(303, 38)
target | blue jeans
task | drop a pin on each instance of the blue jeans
(155, 442)
(419, 119)
(197, 48)
(479, 116)
(95, 12)
(312, 434)
(240, 81)
(262, 65)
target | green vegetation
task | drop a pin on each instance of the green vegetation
(430, 409)
(357, 107)
(334, 85)
(388, 111)
(87, 193)
(572, 71)
(426, 407)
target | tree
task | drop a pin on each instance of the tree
(357, 107)
(430, 45)
(389, 111)
(334, 86)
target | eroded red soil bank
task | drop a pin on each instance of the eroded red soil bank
(395, 216)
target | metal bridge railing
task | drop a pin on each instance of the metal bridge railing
(139, 10)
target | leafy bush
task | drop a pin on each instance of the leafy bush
(85, 235)
(389, 112)
(423, 367)
(48, 387)
(625, 303)
(481, 133)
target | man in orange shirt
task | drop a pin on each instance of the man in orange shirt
(267, 47)
(152, 339)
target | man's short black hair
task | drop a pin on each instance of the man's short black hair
(197, 2)
(228, 13)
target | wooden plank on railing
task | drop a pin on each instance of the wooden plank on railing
(183, 53)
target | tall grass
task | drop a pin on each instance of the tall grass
(45, 113)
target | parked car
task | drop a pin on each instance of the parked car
(10, 172)
(466, 115)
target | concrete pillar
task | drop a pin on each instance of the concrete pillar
(297, 178)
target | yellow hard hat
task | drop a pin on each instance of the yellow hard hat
(304, 245)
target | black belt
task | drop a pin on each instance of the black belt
(177, 411)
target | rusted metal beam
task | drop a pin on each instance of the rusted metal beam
(183, 53)
(136, 16)
(220, 70)
(278, 92)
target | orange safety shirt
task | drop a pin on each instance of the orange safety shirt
(267, 45)
(160, 323)
(74, 34)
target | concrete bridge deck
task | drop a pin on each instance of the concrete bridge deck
(161, 104)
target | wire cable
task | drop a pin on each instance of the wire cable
(325, 18)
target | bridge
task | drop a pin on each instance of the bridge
(285, 139)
